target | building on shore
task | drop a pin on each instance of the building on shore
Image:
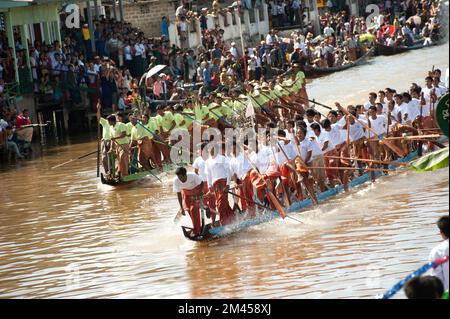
(252, 23)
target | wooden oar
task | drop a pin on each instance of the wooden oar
(286, 199)
(393, 147)
(98, 149)
(353, 168)
(262, 206)
(366, 160)
(309, 187)
(287, 106)
(414, 137)
(74, 159)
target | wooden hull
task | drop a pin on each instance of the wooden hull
(222, 231)
(387, 50)
(119, 180)
(316, 72)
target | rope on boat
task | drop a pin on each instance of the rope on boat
(398, 286)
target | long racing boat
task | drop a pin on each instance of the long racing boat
(210, 233)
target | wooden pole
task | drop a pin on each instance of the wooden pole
(365, 160)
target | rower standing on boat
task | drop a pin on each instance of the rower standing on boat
(218, 172)
(200, 169)
(189, 189)
(106, 139)
(141, 138)
(304, 151)
(240, 170)
(430, 98)
(120, 145)
(165, 123)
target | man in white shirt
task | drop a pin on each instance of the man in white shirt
(399, 107)
(440, 251)
(439, 89)
(285, 156)
(233, 50)
(317, 157)
(382, 100)
(328, 31)
(189, 189)
(329, 140)
(412, 110)
(240, 170)
(304, 151)
(199, 166)
(218, 171)
(371, 102)
(429, 96)
(383, 116)
(357, 136)
(378, 125)
(269, 38)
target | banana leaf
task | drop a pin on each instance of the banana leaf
(432, 161)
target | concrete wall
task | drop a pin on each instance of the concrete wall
(147, 16)
(232, 32)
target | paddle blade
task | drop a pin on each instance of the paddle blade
(397, 150)
(277, 205)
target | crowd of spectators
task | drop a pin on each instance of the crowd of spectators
(72, 72)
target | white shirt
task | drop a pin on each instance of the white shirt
(328, 31)
(378, 125)
(200, 165)
(263, 158)
(218, 168)
(413, 109)
(308, 123)
(316, 150)
(336, 135)
(367, 105)
(289, 135)
(234, 52)
(138, 49)
(305, 147)
(395, 112)
(385, 107)
(356, 132)
(323, 138)
(127, 53)
(441, 272)
(403, 109)
(440, 90)
(289, 149)
(427, 96)
(269, 40)
(193, 180)
(240, 166)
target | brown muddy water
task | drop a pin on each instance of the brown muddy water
(65, 235)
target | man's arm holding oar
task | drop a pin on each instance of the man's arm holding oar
(393, 147)
(272, 197)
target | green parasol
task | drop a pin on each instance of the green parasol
(432, 161)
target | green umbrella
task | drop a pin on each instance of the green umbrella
(432, 161)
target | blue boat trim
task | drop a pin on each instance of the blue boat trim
(297, 206)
